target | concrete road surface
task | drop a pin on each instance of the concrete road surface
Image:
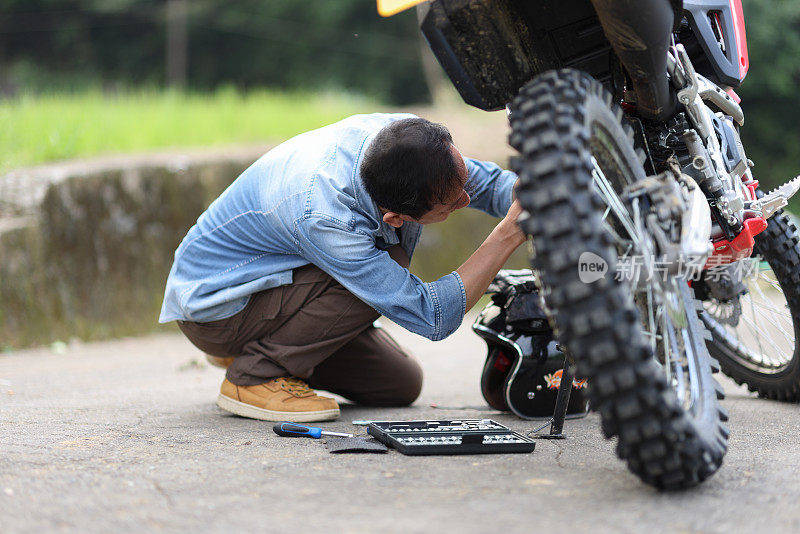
(124, 436)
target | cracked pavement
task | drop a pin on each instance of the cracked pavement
(124, 436)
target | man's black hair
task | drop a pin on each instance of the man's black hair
(409, 167)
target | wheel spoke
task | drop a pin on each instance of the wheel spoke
(767, 299)
(754, 329)
(757, 329)
(788, 337)
(776, 311)
(665, 343)
(619, 239)
(769, 338)
(771, 309)
(612, 200)
(651, 319)
(773, 283)
(691, 367)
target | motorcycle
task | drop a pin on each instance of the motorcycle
(658, 258)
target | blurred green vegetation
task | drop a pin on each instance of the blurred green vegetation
(43, 128)
(341, 46)
(286, 44)
(771, 134)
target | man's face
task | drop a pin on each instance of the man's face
(458, 199)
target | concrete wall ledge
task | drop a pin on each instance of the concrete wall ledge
(85, 246)
(22, 190)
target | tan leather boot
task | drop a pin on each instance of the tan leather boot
(280, 399)
(217, 361)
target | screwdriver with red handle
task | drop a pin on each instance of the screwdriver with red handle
(293, 430)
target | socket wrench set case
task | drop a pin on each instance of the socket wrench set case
(463, 436)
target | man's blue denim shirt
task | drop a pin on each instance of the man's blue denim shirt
(303, 202)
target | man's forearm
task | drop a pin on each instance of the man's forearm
(480, 269)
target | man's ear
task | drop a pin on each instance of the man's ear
(393, 219)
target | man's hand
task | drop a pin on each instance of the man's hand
(510, 220)
(480, 269)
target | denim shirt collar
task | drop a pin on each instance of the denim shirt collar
(386, 235)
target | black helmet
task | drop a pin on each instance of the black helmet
(523, 369)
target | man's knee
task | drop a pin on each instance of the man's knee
(404, 387)
(411, 385)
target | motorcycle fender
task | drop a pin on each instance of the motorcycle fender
(696, 224)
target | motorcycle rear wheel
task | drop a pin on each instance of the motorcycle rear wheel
(762, 350)
(565, 129)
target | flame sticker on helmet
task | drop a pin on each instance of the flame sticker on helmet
(553, 381)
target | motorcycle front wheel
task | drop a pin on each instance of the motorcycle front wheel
(643, 351)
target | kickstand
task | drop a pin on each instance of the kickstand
(562, 401)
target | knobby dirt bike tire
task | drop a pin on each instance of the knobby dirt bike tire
(552, 120)
(778, 245)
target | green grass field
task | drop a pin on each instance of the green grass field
(38, 129)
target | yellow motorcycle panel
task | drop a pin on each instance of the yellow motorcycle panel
(387, 8)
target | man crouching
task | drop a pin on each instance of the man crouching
(284, 274)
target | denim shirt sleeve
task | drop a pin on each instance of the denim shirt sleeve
(490, 187)
(431, 309)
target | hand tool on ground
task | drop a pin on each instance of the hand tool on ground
(285, 428)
